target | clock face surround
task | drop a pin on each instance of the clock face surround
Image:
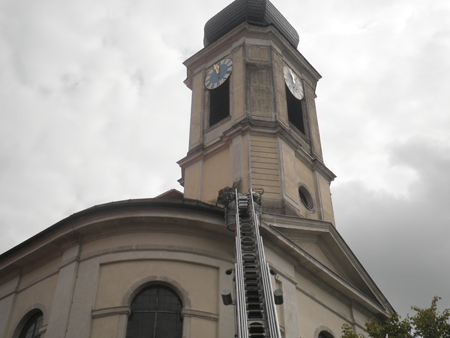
(293, 83)
(219, 73)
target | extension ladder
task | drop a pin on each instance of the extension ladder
(255, 304)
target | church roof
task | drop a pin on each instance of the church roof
(172, 194)
(255, 12)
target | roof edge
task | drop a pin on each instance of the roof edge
(143, 202)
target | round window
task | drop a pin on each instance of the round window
(306, 198)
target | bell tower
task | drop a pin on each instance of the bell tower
(253, 115)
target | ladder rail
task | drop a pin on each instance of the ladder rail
(239, 274)
(272, 316)
(256, 315)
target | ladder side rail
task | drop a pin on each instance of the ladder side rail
(268, 296)
(240, 298)
(239, 275)
(272, 317)
(268, 292)
(275, 314)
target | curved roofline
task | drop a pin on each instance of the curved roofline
(184, 203)
(255, 12)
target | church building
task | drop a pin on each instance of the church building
(156, 267)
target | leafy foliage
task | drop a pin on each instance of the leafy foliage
(426, 323)
(347, 332)
(429, 323)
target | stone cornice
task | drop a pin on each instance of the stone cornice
(52, 242)
(246, 34)
(199, 314)
(312, 264)
(258, 127)
(111, 311)
(148, 247)
(331, 237)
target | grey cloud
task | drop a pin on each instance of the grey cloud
(93, 109)
(403, 240)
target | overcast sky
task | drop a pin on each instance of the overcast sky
(93, 109)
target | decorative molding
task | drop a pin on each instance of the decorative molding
(182, 228)
(169, 248)
(304, 258)
(323, 285)
(337, 313)
(111, 311)
(361, 309)
(8, 295)
(282, 274)
(68, 262)
(334, 261)
(296, 223)
(43, 329)
(199, 314)
(37, 280)
(285, 223)
(322, 328)
(283, 254)
(144, 282)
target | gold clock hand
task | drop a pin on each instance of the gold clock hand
(216, 68)
(292, 75)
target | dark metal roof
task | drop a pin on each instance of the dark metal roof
(255, 12)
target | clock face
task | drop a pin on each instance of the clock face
(293, 83)
(219, 73)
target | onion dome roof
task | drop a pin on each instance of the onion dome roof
(255, 12)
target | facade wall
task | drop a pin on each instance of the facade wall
(196, 113)
(216, 175)
(238, 80)
(310, 306)
(313, 121)
(279, 86)
(86, 292)
(260, 92)
(313, 315)
(107, 275)
(192, 187)
(264, 165)
(41, 293)
(295, 174)
(325, 198)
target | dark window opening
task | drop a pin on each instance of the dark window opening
(306, 198)
(219, 103)
(295, 111)
(31, 328)
(155, 313)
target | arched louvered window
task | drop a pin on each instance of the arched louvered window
(295, 111)
(155, 313)
(32, 326)
(219, 103)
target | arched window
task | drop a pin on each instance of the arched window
(155, 313)
(32, 326)
(325, 334)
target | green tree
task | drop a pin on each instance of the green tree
(430, 323)
(426, 323)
